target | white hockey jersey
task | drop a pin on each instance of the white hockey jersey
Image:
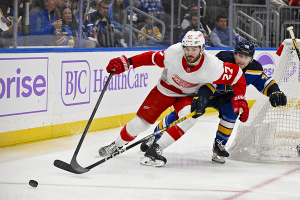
(177, 79)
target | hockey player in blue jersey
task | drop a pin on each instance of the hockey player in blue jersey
(221, 98)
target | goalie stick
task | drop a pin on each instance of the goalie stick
(67, 167)
(290, 29)
(74, 166)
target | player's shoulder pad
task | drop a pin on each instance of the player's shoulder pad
(226, 56)
(174, 51)
(254, 66)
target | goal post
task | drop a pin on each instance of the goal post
(273, 134)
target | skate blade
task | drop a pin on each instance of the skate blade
(218, 159)
(150, 162)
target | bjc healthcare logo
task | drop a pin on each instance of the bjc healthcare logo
(75, 82)
(23, 85)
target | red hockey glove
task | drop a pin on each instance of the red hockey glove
(240, 102)
(121, 64)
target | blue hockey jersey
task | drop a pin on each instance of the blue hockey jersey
(254, 75)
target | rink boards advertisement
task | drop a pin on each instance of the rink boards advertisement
(51, 89)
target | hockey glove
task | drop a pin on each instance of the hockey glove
(278, 99)
(199, 104)
(240, 102)
(121, 64)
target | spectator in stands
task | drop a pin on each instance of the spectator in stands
(59, 5)
(136, 4)
(94, 6)
(294, 2)
(116, 15)
(220, 36)
(73, 4)
(156, 8)
(152, 6)
(192, 9)
(104, 22)
(70, 27)
(21, 7)
(277, 3)
(43, 25)
(7, 18)
(149, 29)
(93, 16)
(193, 21)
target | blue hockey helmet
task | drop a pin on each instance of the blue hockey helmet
(245, 47)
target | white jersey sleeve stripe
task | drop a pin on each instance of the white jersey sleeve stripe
(153, 58)
(238, 76)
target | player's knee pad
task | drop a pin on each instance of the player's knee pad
(188, 123)
(137, 125)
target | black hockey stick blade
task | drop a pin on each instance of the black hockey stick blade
(74, 167)
(65, 166)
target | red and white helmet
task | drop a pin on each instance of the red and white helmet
(193, 38)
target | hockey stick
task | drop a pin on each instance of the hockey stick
(68, 167)
(290, 29)
(74, 166)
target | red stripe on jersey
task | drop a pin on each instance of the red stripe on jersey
(230, 73)
(171, 87)
(125, 135)
(142, 59)
(192, 69)
(240, 87)
(159, 58)
(175, 132)
(146, 59)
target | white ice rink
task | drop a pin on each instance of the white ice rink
(189, 173)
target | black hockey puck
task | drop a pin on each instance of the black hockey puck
(33, 183)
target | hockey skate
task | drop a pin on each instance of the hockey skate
(108, 150)
(153, 156)
(146, 144)
(219, 153)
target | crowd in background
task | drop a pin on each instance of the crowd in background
(56, 22)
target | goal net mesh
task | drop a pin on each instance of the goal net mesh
(273, 134)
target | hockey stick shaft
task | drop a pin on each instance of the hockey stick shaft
(141, 140)
(74, 167)
(290, 29)
(94, 112)
(67, 167)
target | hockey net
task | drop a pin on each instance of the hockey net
(273, 134)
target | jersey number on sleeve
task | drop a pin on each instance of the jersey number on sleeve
(225, 75)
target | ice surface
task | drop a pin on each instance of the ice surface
(189, 173)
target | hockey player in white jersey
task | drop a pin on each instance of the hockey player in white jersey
(185, 83)
(221, 99)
